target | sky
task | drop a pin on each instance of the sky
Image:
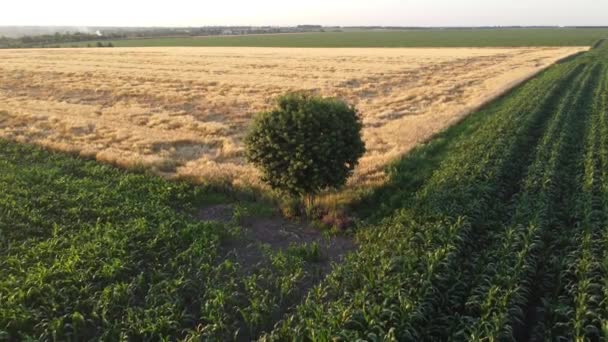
(288, 13)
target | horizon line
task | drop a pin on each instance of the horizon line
(324, 26)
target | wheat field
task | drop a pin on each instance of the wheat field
(183, 112)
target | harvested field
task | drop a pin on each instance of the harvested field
(184, 111)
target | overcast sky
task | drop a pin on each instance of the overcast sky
(289, 12)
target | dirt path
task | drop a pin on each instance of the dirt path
(277, 233)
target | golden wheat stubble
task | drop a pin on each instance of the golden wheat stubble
(183, 112)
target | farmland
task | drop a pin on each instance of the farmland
(385, 39)
(88, 251)
(183, 112)
(494, 230)
(487, 220)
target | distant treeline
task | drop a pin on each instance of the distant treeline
(219, 31)
(62, 39)
(55, 40)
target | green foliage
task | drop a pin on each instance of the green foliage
(89, 252)
(500, 235)
(67, 39)
(309, 252)
(306, 144)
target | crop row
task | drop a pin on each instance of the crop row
(91, 252)
(525, 256)
(479, 250)
(577, 301)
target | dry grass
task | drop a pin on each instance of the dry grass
(184, 111)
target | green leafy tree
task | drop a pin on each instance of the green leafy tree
(306, 144)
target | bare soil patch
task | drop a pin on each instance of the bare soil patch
(277, 233)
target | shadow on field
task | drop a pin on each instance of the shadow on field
(485, 198)
(270, 229)
(407, 175)
(264, 234)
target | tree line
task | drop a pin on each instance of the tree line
(55, 40)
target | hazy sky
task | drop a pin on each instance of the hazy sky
(286, 12)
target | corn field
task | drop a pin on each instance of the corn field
(494, 231)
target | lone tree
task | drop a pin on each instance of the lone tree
(306, 144)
